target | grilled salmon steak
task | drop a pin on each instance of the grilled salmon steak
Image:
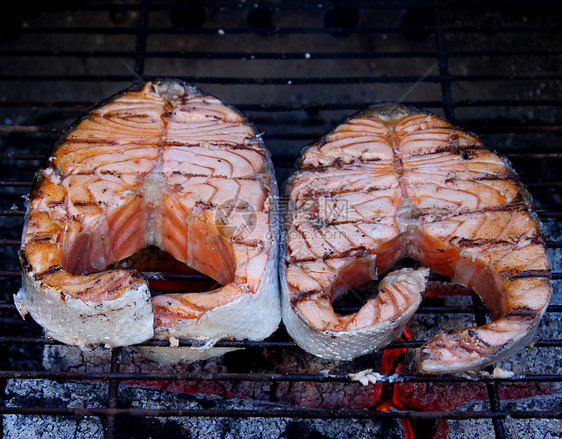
(161, 164)
(393, 183)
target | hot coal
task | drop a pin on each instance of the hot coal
(29, 393)
(326, 395)
(43, 393)
(514, 428)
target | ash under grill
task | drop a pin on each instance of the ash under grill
(296, 69)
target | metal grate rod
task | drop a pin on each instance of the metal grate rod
(295, 413)
(112, 393)
(308, 80)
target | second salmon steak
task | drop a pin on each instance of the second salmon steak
(393, 183)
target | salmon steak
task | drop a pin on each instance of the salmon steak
(390, 183)
(160, 164)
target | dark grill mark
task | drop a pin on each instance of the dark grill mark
(191, 174)
(431, 217)
(467, 242)
(86, 203)
(470, 150)
(332, 194)
(204, 205)
(318, 224)
(527, 312)
(466, 154)
(41, 238)
(357, 252)
(24, 261)
(52, 269)
(338, 164)
(255, 243)
(104, 172)
(524, 313)
(508, 175)
(513, 274)
(250, 145)
(301, 296)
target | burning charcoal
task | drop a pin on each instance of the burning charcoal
(62, 357)
(534, 428)
(457, 429)
(556, 298)
(27, 393)
(45, 393)
(35, 426)
(329, 395)
(251, 427)
(515, 428)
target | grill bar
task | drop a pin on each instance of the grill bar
(491, 387)
(423, 309)
(267, 377)
(192, 276)
(113, 391)
(290, 413)
(141, 40)
(281, 30)
(291, 163)
(264, 107)
(308, 136)
(444, 71)
(309, 80)
(292, 4)
(541, 213)
(278, 56)
(26, 184)
(246, 343)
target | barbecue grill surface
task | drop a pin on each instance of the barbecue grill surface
(296, 69)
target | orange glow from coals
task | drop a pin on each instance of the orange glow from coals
(391, 359)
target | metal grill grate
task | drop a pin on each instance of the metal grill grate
(296, 69)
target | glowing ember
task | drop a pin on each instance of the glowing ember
(391, 359)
